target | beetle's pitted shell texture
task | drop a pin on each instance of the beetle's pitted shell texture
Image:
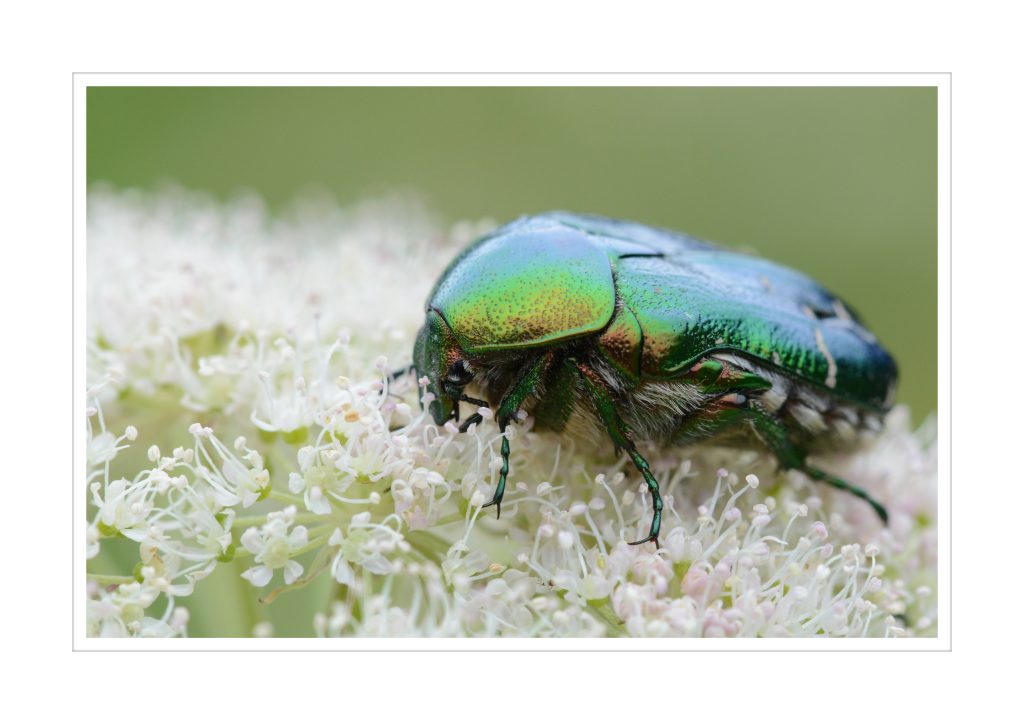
(693, 303)
(435, 350)
(622, 343)
(648, 334)
(656, 302)
(526, 286)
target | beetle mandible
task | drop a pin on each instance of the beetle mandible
(651, 335)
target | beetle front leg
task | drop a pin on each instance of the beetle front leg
(507, 410)
(499, 492)
(620, 438)
(395, 375)
(398, 374)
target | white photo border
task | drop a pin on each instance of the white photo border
(942, 82)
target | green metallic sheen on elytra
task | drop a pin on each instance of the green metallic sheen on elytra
(626, 238)
(555, 277)
(707, 372)
(692, 298)
(526, 287)
(622, 342)
(698, 301)
(564, 308)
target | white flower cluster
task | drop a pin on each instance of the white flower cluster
(213, 322)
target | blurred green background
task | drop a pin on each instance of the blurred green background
(837, 182)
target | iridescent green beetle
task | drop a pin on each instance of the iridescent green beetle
(650, 335)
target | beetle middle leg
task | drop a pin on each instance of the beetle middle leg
(619, 434)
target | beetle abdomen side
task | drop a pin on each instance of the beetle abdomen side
(821, 418)
(683, 411)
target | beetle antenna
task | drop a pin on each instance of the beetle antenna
(401, 372)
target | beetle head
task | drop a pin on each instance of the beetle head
(439, 358)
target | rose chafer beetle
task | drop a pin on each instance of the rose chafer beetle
(649, 335)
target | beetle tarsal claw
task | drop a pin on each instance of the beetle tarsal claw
(840, 484)
(497, 502)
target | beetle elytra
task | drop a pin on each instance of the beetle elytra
(648, 335)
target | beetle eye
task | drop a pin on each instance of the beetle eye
(459, 373)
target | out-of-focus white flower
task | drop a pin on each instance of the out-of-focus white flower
(118, 610)
(366, 545)
(213, 322)
(273, 546)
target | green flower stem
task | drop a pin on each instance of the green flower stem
(458, 517)
(316, 542)
(604, 611)
(319, 564)
(320, 535)
(432, 547)
(108, 580)
(285, 497)
(251, 614)
(251, 520)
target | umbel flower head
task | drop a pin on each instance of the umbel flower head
(256, 348)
